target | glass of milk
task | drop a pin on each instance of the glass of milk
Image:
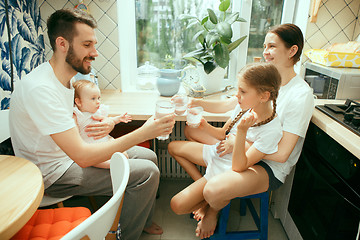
(162, 109)
(194, 116)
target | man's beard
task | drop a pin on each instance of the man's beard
(76, 63)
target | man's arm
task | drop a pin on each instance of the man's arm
(89, 154)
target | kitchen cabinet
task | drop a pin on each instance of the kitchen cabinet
(344, 137)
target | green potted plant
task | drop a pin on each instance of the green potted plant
(215, 38)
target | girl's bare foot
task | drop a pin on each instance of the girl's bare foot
(207, 225)
(153, 229)
(200, 213)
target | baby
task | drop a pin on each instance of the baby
(87, 104)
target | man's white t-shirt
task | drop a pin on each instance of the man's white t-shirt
(295, 105)
(40, 106)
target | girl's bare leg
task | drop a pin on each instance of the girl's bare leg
(222, 188)
(199, 135)
(188, 155)
(190, 198)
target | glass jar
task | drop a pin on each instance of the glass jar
(146, 76)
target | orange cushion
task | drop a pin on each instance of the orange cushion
(52, 224)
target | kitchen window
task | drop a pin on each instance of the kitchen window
(149, 30)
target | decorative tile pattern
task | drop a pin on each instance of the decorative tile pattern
(107, 64)
(337, 21)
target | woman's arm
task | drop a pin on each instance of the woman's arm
(218, 106)
(285, 148)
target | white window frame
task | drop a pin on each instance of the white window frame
(127, 38)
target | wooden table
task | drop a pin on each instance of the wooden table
(141, 105)
(21, 191)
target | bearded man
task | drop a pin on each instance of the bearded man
(44, 132)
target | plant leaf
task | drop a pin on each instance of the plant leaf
(222, 56)
(240, 19)
(193, 59)
(211, 38)
(212, 16)
(209, 67)
(197, 35)
(225, 40)
(224, 29)
(232, 17)
(224, 5)
(192, 23)
(201, 40)
(194, 53)
(184, 17)
(205, 19)
(236, 43)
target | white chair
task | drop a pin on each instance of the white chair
(107, 217)
(5, 134)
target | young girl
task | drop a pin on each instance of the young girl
(87, 104)
(254, 123)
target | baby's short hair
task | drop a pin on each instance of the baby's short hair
(80, 84)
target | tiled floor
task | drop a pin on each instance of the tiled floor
(183, 227)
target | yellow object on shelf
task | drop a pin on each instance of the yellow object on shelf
(334, 59)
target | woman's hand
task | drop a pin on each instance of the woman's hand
(194, 102)
(226, 146)
(100, 129)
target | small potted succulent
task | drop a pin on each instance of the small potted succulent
(214, 36)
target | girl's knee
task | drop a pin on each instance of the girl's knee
(212, 192)
(176, 205)
(172, 146)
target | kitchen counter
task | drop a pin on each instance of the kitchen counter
(142, 105)
(342, 135)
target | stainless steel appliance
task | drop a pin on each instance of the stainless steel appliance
(325, 196)
(333, 83)
(347, 114)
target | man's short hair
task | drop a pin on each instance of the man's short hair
(62, 23)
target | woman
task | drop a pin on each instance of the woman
(282, 46)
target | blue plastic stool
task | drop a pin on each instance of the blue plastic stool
(260, 221)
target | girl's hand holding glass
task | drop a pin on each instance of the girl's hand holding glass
(194, 116)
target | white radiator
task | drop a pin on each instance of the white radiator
(168, 166)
